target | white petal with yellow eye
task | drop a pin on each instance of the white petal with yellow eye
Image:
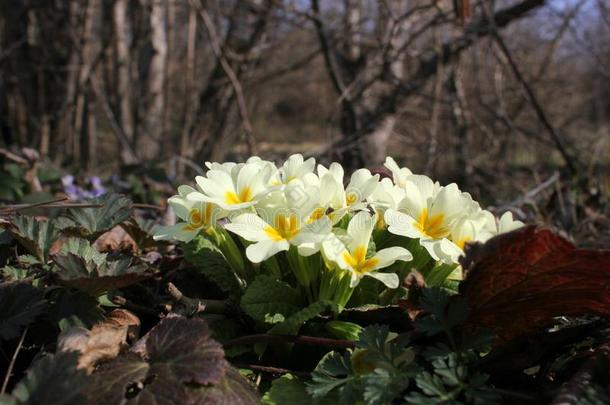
(388, 256)
(264, 249)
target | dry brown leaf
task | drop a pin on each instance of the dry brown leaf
(103, 342)
(115, 239)
(519, 281)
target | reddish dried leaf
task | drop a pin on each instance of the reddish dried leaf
(519, 281)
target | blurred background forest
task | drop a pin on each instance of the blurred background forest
(504, 97)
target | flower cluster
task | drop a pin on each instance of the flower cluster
(351, 228)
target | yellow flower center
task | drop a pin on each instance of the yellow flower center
(245, 195)
(285, 227)
(461, 242)
(358, 261)
(351, 198)
(316, 214)
(198, 218)
(434, 227)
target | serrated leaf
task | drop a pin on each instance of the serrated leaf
(382, 386)
(11, 273)
(21, 304)
(520, 281)
(35, 236)
(293, 323)
(176, 362)
(209, 260)
(80, 266)
(234, 389)
(184, 348)
(54, 379)
(287, 389)
(90, 223)
(141, 231)
(333, 371)
(269, 300)
(74, 308)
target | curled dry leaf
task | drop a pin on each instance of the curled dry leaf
(116, 239)
(519, 281)
(102, 342)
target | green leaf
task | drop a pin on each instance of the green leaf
(344, 330)
(11, 273)
(209, 260)
(81, 266)
(36, 237)
(270, 300)
(333, 371)
(287, 389)
(53, 380)
(141, 231)
(444, 311)
(293, 323)
(382, 386)
(21, 304)
(90, 223)
(439, 273)
(74, 308)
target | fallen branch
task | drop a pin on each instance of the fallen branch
(307, 340)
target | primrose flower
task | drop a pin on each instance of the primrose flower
(295, 167)
(197, 216)
(399, 174)
(234, 187)
(386, 196)
(335, 200)
(351, 254)
(283, 222)
(506, 223)
(428, 213)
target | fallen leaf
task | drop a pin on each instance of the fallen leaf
(519, 281)
(115, 239)
(103, 342)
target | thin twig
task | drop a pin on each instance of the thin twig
(147, 206)
(308, 340)
(9, 371)
(276, 370)
(125, 303)
(571, 161)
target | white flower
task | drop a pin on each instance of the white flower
(197, 216)
(399, 174)
(386, 196)
(335, 200)
(352, 254)
(428, 213)
(296, 168)
(284, 222)
(240, 188)
(507, 223)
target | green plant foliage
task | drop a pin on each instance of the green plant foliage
(141, 231)
(35, 236)
(209, 260)
(287, 389)
(91, 222)
(292, 324)
(69, 308)
(54, 379)
(21, 304)
(376, 372)
(269, 300)
(81, 266)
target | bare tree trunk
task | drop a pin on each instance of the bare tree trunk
(150, 140)
(186, 149)
(89, 49)
(465, 169)
(122, 28)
